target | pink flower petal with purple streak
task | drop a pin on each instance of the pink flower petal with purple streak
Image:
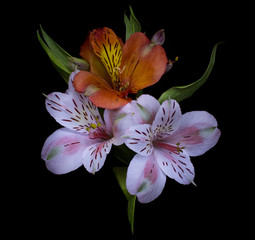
(145, 179)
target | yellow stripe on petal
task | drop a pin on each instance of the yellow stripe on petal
(107, 47)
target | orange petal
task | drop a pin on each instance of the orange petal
(84, 79)
(95, 64)
(143, 63)
(108, 99)
(108, 47)
(98, 91)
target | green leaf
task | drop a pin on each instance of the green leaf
(132, 24)
(180, 93)
(64, 63)
(121, 174)
(123, 153)
(131, 212)
(56, 49)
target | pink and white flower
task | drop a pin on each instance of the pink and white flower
(164, 147)
(85, 139)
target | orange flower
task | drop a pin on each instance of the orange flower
(117, 70)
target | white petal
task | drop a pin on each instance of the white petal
(139, 139)
(73, 111)
(63, 150)
(136, 112)
(198, 132)
(118, 122)
(147, 108)
(145, 178)
(94, 156)
(71, 89)
(176, 165)
(167, 119)
(109, 121)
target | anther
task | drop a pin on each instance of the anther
(170, 63)
(93, 125)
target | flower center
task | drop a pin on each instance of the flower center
(117, 84)
(99, 132)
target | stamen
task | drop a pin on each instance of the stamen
(122, 87)
(170, 63)
(178, 148)
(119, 69)
(93, 125)
(117, 85)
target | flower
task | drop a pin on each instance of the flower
(163, 148)
(85, 139)
(117, 70)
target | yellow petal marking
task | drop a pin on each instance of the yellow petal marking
(107, 47)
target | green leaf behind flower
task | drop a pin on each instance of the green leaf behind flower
(180, 93)
(64, 63)
(131, 212)
(121, 175)
(132, 24)
(123, 153)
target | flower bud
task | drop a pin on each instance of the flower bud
(77, 63)
(159, 37)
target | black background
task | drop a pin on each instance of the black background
(80, 204)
